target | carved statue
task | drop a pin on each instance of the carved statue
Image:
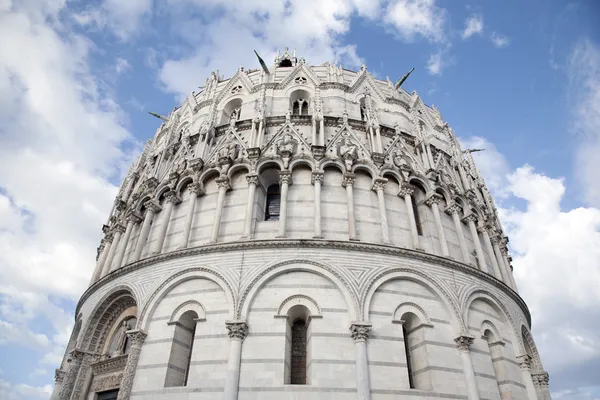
(285, 147)
(235, 114)
(288, 116)
(348, 151)
(345, 117)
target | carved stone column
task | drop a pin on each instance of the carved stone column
(406, 191)
(74, 360)
(454, 210)
(525, 364)
(172, 199)
(432, 201)
(488, 247)
(118, 230)
(378, 187)
(224, 186)
(505, 256)
(59, 376)
(252, 182)
(470, 220)
(463, 342)
(347, 183)
(498, 254)
(196, 191)
(540, 381)
(105, 248)
(151, 209)
(131, 220)
(360, 333)
(137, 337)
(285, 180)
(237, 330)
(317, 181)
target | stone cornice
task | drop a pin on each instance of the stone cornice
(277, 244)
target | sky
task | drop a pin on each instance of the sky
(518, 78)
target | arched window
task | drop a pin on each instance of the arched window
(180, 358)
(413, 331)
(495, 347)
(273, 203)
(415, 208)
(296, 357)
(300, 107)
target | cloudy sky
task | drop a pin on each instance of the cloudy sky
(519, 78)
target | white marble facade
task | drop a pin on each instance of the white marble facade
(307, 199)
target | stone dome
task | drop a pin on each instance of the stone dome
(302, 232)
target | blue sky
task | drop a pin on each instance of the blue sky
(519, 78)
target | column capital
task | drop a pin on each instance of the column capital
(152, 206)
(349, 178)
(453, 208)
(482, 229)
(59, 375)
(118, 228)
(470, 218)
(223, 182)
(317, 177)
(75, 356)
(524, 361)
(171, 197)
(359, 330)
(540, 379)
(495, 239)
(134, 217)
(433, 199)
(137, 337)
(196, 188)
(463, 342)
(285, 177)
(252, 179)
(237, 329)
(108, 238)
(379, 184)
(406, 189)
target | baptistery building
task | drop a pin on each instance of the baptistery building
(302, 231)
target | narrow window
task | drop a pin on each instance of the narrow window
(296, 108)
(109, 395)
(408, 357)
(273, 203)
(298, 359)
(417, 216)
(178, 367)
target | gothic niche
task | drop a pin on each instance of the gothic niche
(286, 147)
(231, 112)
(300, 101)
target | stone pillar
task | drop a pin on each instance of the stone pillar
(525, 364)
(259, 136)
(454, 210)
(317, 181)
(172, 199)
(137, 337)
(322, 131)
(378, 138)
(131, 220)
(119, 230)
(540, 381)
(432, 201)
(463, 342)
(498, 254)
(314, 132)
(252, 182)
(360, 334)
(429, 155)
(499, 365)
(151, 208)
(488, 247)
(378, 187)
(59, 376)
(285, 180)
(105, 248)
(470, 219)
(347, 183)
(406, 190)
(195, 190)
(224, 186)
(237, 330)
(70, 377)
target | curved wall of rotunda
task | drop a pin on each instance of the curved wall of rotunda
(302, 232)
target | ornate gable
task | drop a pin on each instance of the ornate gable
(346, 134)
(300, 70)
(365, 79)
(287, 129)
(231, 88)
(231, 142)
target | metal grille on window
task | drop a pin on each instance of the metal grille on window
(298, 367)
(273, 203)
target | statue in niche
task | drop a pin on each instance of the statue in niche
(345, 117)
(400, 160)
(288, 116)
(348, 151)
(233, 118)
(285, 147)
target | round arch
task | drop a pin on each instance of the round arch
(273, 163)
(209, 173)
(492, 300)
(281, 267)
(237, 168)
(178, 278)
(183, 183)
(530, 349)
(162, 189)
(303, 162)
(361, 166)
(420, 278)
(390, 172)
(329, 163)
(140, 204)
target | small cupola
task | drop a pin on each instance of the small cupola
(286, 59)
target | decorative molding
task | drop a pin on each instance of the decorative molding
(237, 329)
(359, 331)
(463, 342)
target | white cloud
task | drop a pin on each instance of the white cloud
(123, 18)
(9, 391)
(122, 65)
(417, 17)
(60, 145)
(499, 40)
(473, 26)
(439, 60)
(583, 70)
